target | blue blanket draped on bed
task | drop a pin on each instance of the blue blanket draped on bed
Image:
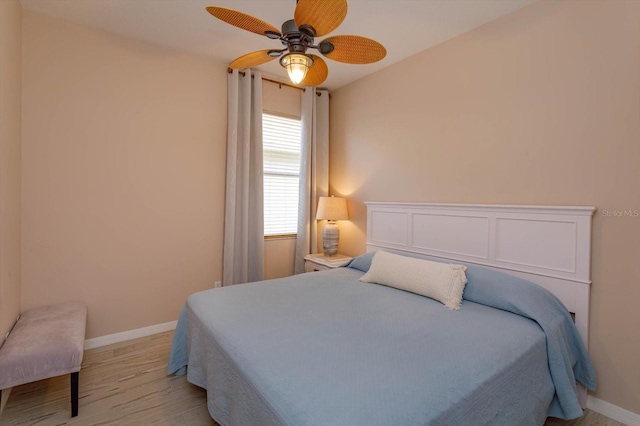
(567, 358)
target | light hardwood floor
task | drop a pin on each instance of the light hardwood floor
(127, 384)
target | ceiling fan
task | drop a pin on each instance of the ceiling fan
(312, 18)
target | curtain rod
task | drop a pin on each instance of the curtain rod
(242, 73)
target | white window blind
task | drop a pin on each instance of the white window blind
(281, 153)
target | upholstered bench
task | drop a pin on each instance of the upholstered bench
(45, 342)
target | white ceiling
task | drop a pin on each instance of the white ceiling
(404, 27)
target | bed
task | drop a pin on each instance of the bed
(324, 348)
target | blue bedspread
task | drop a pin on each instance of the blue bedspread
(568, 358)
(324, 348)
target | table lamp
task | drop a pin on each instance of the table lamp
(331, 209)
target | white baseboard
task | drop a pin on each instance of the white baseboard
(97, 342)
(613, 411)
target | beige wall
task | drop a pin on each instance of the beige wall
(10, 137)
(539, 107)
(123, 174)
(279, 257)
(281, 99)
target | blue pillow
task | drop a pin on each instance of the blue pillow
(361, 263)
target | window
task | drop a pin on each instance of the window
(281, 149)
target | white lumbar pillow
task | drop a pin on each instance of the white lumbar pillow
(439, 281)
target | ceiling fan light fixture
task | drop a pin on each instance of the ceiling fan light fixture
(297, 65)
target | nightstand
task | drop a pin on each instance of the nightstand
(320, 262)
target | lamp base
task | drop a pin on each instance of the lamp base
(330, 237)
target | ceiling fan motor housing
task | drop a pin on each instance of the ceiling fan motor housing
(297, 39)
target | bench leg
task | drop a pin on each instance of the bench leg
(75, 379)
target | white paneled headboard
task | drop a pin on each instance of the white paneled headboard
(548, 245)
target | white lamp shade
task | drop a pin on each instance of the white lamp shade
(332, 208)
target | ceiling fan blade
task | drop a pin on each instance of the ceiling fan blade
(252, 59)
(242, 20)
(318, 73)
(352, 49)
(323, 15)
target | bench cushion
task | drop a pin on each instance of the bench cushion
(45, 342)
